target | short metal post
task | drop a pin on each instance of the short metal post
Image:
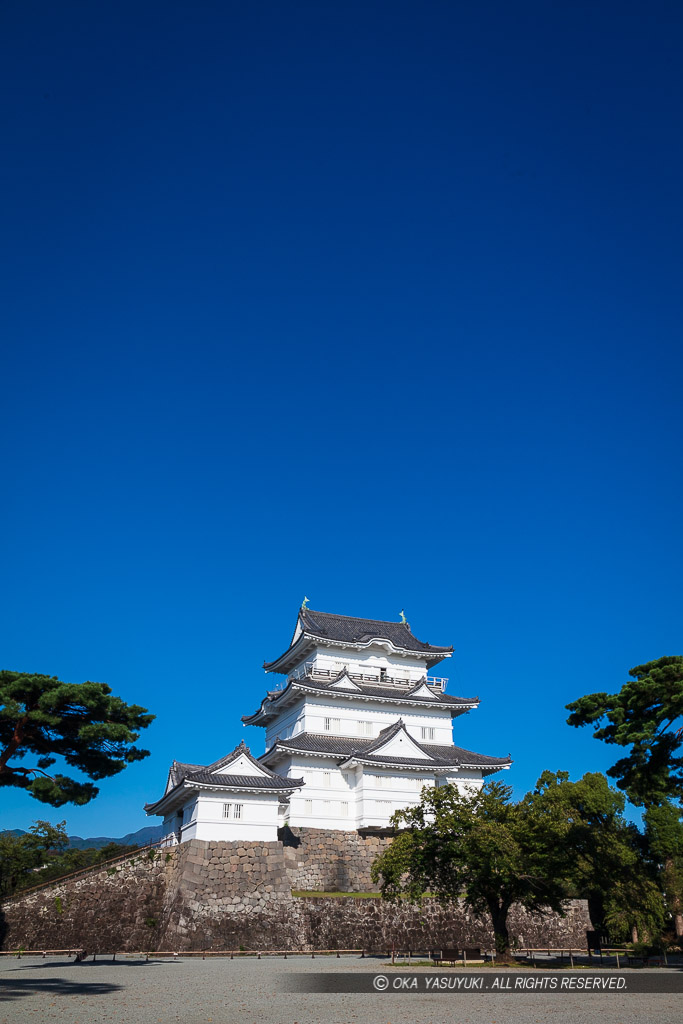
(464, 958)
(259, 955)
(617, 959)
(571, 958)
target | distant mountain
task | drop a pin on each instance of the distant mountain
(142, 837)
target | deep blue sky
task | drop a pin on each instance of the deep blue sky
(378, 303)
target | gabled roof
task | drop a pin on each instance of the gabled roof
(185, 777)
(344, 748)
(386, 735)
(240, 751)
(351, 632)
(275, 700)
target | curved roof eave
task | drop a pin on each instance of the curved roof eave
(269, 703)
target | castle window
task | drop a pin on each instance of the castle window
(332, 724)
(382, 675)
(232, 810)
(238, 811)
(344, 809)
(327, 779)
(427, 733)
(365, 728)
(226, 810)
(308, 807)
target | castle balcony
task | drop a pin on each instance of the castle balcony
(378, 678)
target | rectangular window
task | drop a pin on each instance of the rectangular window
(344, 809)
(427, 733)
(226, 810)
(308, 807)
(327, 779)
(365, 728)
(238, 811)
(379, 781)
(332, 724)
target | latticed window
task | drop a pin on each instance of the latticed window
(238, 810)
(226, 810)
(332, 724)
(327, 779)
(365, 728)
(427, 733)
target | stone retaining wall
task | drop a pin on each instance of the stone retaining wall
(204, 895)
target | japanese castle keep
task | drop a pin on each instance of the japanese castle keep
(354, 730)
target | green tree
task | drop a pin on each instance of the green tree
(664, 832)
(83, 723)
(607, 861)
(480, 848)
(62, 863)
(646, 715)
(21, 856)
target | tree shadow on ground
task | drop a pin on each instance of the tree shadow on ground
(17, 988)
(102, 961)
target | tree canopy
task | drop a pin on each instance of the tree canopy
(563, 840)
(647, 715)
(87, 726)
(479, 847)
(21, 856)
(664, 833)
(607, 857)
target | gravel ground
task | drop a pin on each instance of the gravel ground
(223, 991)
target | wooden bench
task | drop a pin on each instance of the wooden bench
(449, 956)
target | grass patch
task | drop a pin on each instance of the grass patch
(338, 895)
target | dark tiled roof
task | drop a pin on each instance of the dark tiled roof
(345, 746)
(387, 692)
(178, 771)
(208, 775)
(363, 690)
(348, 629)
(271, 781)
(241, 750)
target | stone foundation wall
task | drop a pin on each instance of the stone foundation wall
(329, 861)
(204, 895)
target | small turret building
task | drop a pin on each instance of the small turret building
(354, 731)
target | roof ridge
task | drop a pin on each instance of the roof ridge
(358, 618)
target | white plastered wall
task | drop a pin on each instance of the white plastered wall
(258, 816)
